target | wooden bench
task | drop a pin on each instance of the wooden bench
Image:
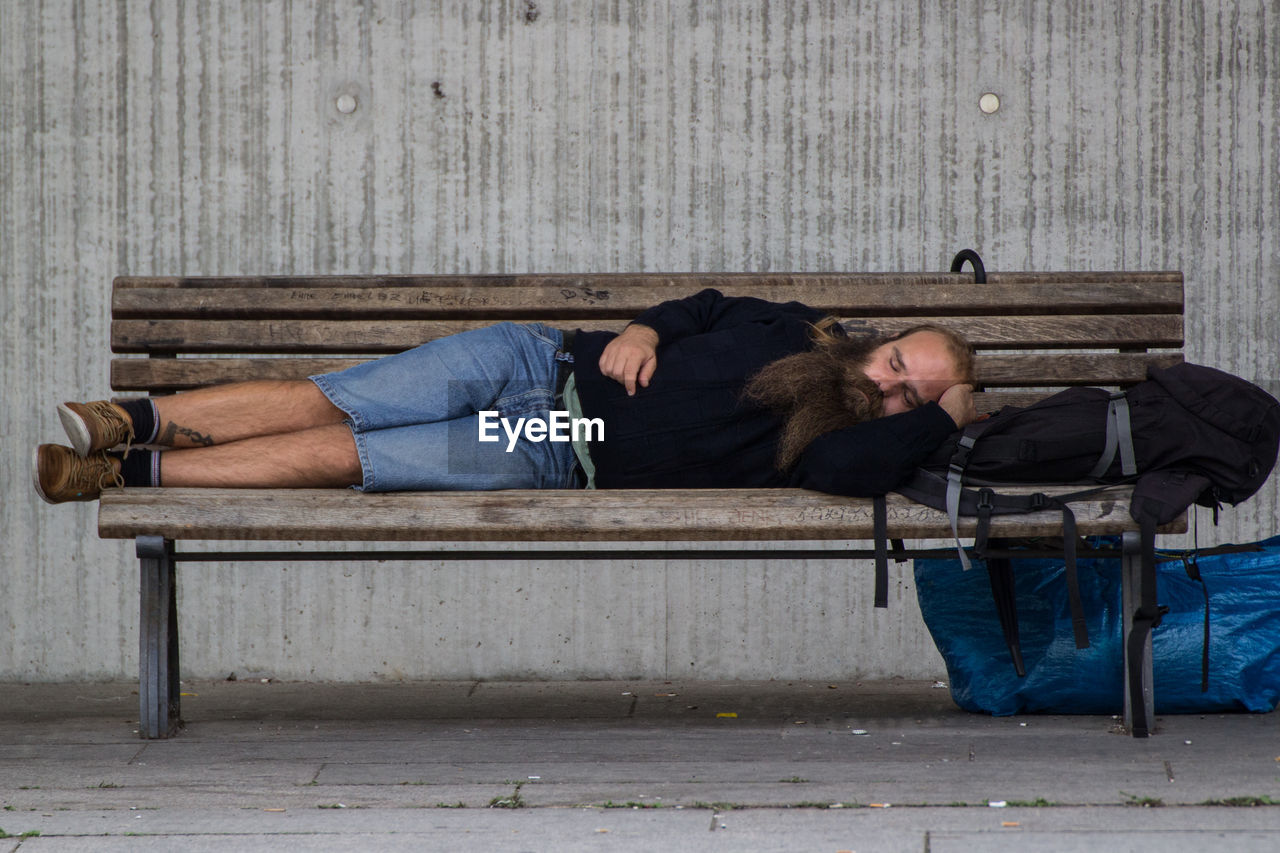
(1035, 333)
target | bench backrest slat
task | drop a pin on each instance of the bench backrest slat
(542, 302)
(866, 295)
(1004, 370)
(385, 336)
(692, 281)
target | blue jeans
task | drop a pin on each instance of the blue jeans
(414, 414)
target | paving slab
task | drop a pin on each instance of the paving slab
(930, 829)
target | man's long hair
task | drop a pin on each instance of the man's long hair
(825, 388)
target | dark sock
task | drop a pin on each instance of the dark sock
(137, 467)
(142, 413)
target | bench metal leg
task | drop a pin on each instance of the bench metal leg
(158, 690)
(1131, 584)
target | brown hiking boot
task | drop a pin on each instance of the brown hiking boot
(61, 475)
(95, 426)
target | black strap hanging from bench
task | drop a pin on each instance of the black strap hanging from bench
(1145, 618)
(955, 491)
(1000, 573)
(1078, 626)
(1193, 572)
(880, 522)
(988, 502)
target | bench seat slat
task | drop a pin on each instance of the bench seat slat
(1004, 370)
(384, 336)
(956, 297)
(560, 516)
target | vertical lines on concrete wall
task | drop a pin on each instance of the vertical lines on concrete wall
(154, 137)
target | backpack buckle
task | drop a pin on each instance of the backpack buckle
(960, 458)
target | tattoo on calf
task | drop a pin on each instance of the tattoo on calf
(172, 431)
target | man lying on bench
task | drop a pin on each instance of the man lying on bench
(750, 394)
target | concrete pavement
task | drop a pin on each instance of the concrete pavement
(617, 765)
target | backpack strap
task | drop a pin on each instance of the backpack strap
(1000, 573)
(1145, 618)
(1193, 572)
(880, 522)
(1034, 502)
(1031, 503)
(880, 532)
(955, 482)
(986, 505)
(1128, 459)
(1078, 626)
(955, 485)
(1119, 437)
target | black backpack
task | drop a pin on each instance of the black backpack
(1217, 430)
(1188, 434)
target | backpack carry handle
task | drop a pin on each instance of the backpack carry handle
(979, 271)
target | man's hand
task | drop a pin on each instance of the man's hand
(957, 401)
(631, 357)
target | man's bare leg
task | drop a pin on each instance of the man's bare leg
(228, 413)
(320, 457)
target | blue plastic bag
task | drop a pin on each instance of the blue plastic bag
(1244, 638)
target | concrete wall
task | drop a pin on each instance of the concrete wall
(526, 135)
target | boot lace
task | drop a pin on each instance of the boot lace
(118, 429)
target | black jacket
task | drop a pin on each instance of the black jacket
(691, 428)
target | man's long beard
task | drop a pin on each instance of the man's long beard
(817, 392)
